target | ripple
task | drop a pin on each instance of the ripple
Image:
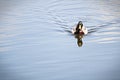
(19, 24)
(101, 21)
(107, 33)
(106, 40)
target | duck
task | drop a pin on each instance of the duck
(79, 29)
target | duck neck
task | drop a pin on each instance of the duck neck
(77, 31)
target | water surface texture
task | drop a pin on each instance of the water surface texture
(36, 41)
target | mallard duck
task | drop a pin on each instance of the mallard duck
(80, 29)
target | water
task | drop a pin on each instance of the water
(36, 43)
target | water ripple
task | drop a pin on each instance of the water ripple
(101, 21)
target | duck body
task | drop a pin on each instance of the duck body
(79, 29)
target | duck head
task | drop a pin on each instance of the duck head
(79, 27)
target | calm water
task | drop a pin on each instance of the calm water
(36, 43)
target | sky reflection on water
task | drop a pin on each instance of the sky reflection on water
(36, 43)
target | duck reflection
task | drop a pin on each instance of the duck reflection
(79, 40)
